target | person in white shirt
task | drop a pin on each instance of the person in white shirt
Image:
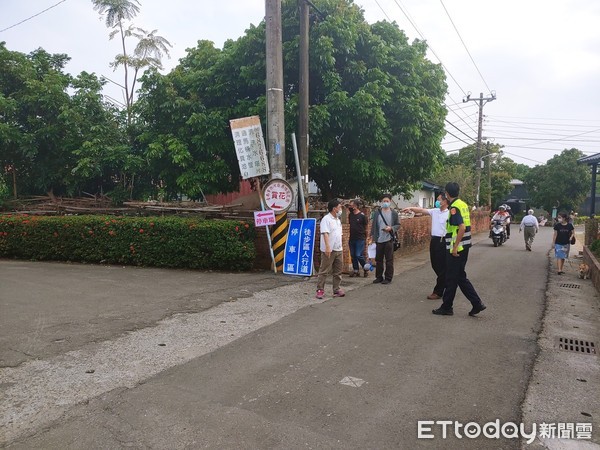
(437, 245)
(529, 226)
(331, 250)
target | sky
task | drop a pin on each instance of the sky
(540, 58)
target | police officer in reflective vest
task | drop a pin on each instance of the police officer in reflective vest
(458, 242)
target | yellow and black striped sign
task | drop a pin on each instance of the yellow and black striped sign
(279, 238)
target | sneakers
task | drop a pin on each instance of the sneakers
(433, 296)
(377, 280)
(386, 281)
(338, 293)
(477, 309)
(443, 312)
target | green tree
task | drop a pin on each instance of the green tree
(51, 141)
(376, 115)
(34, 96)
(496, 174)
(560, 183)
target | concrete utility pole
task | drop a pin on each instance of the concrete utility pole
(303, 93)
(482, 101)
(275, 119)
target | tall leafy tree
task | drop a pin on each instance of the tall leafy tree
(33, 98)
(56, 133)
(560, 183)
(376, 114)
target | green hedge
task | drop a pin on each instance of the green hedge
(139, 241)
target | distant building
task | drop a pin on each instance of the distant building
(518, 199)
(424, 197)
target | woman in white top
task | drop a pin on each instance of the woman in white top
(437, 245)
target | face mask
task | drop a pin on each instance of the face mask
(438, 203)
(339, 214)
(385, 204)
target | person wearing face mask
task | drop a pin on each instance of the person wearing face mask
(561, 240)
(437, 245)
(358, 235)
(385, 223)
(331, 250)
(458, 243)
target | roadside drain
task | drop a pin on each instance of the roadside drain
(577, 346)
(569, 286)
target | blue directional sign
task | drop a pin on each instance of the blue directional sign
(299, 247)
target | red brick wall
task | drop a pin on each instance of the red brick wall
(414, 236)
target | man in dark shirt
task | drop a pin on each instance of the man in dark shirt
(358, 235)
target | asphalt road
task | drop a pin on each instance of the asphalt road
(282, 381)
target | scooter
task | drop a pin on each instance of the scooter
(498, 233)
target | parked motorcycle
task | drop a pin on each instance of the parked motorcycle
(498, 233)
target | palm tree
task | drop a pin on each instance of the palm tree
(148, 52)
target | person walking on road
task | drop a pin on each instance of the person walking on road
(384, 225)
(561, 240)
(458, 243)
(331, 250)
(437, 245)
(530, 227)
(358, 235)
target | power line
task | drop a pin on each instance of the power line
(472, 138)
(455, 136)
(465, 46)
(407, 15)
(545, 118)
(522, 157)
(35, 15)
(428, 45)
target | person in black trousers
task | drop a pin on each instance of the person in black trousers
(437, 245)
(458, 243)
(384, 224)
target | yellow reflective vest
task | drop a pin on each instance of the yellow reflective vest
(459, 213)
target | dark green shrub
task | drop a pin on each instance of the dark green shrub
(595, 248)
(141, 241)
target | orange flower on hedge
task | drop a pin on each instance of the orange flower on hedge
(90, 232)
(246, 225)
(112, 233)
(141, 230)
(237, 228)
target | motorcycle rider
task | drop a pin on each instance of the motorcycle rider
(503, 216)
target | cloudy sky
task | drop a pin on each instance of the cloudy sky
(540, 57)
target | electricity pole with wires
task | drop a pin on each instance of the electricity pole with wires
(482, 101)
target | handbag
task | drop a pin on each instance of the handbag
(394, 234)
(573, 240)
